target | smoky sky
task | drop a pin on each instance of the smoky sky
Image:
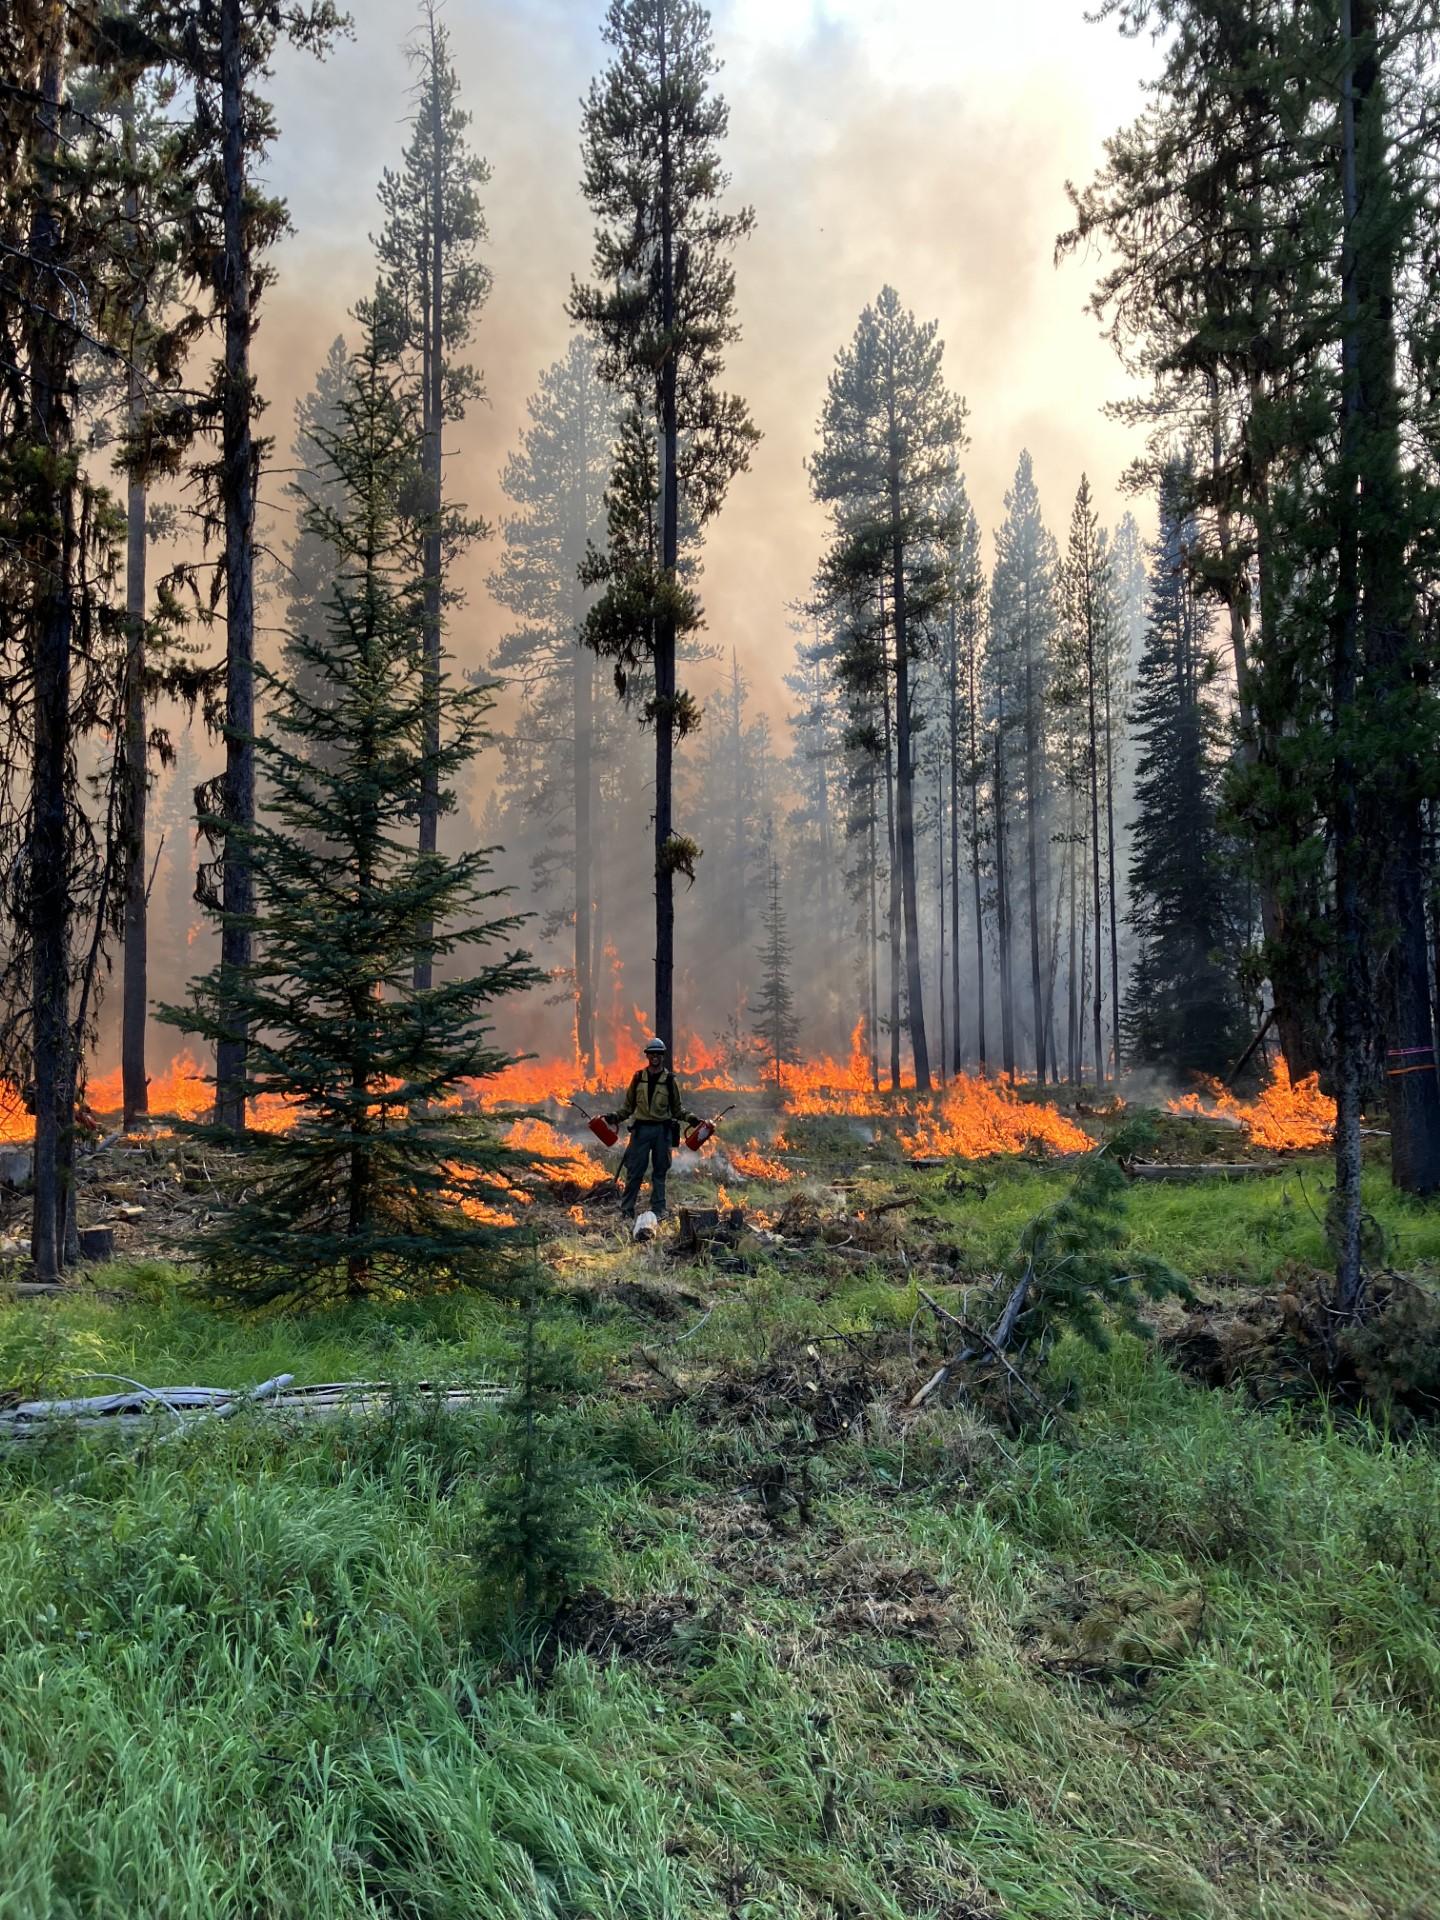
(921, 142)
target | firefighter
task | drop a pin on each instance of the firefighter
(654, 1108)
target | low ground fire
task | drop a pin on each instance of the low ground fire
(1285, 1115)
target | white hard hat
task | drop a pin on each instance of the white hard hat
(656, 1046)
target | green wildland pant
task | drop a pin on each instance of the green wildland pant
(649, 1145)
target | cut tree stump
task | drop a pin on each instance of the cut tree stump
(705, 1226)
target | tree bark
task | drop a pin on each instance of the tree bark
(1093, 725)
(1002, 909)
(1348, 1001)
(973, 701)
(584, 770)
(1387, 622)
(893, 890)
(957, 1048)
(49, 890)
(940, 908)
(238, 477)
(1110, 864)
(665, 675)
(134, 996)
(1032, 840)
(905, 780)
(432, 410)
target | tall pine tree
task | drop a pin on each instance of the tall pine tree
(435, 285)
(662, 309)
(890, 435)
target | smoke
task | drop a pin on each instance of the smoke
(900, 141)
(866, 159)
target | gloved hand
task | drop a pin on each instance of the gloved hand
(612, 1119)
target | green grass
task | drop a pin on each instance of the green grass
(1172, 1657)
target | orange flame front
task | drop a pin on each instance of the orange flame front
(1284, 1116)
(973, 1119)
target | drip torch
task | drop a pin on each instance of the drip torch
(701, 1132)
(599, 1125)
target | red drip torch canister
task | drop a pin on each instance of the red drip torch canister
(598, 1125)
(703, 1130)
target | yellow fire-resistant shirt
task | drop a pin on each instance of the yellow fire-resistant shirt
(654, 1097)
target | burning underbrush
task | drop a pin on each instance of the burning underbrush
(977, 1119)
(1285, 1116)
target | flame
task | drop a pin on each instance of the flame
(753, 1163)
(1284, 1115)
(975, 1118)
(560, 1158)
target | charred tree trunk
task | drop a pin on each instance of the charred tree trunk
(237, 483)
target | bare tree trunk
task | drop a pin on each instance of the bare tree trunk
(1002, 911)
(55, 539)
(873, 942)
(822, 798)
(974, 770)
(1094, 739)
(737, 826)
(134, 995)
(957, 1051)
(432, 464)
(1348, 999)
(1072, 1031)
(905, 789)
(893, 887)
(1032, 851)
(584, 780)
(665, 674)
(1391, 657)
(1110, 863)
(940, 903)
(238, 479)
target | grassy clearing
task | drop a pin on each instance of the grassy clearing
(1173, 1657)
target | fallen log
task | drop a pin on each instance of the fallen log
(1202, 1169)
(187, 1407)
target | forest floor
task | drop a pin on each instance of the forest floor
(1170, 1650)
